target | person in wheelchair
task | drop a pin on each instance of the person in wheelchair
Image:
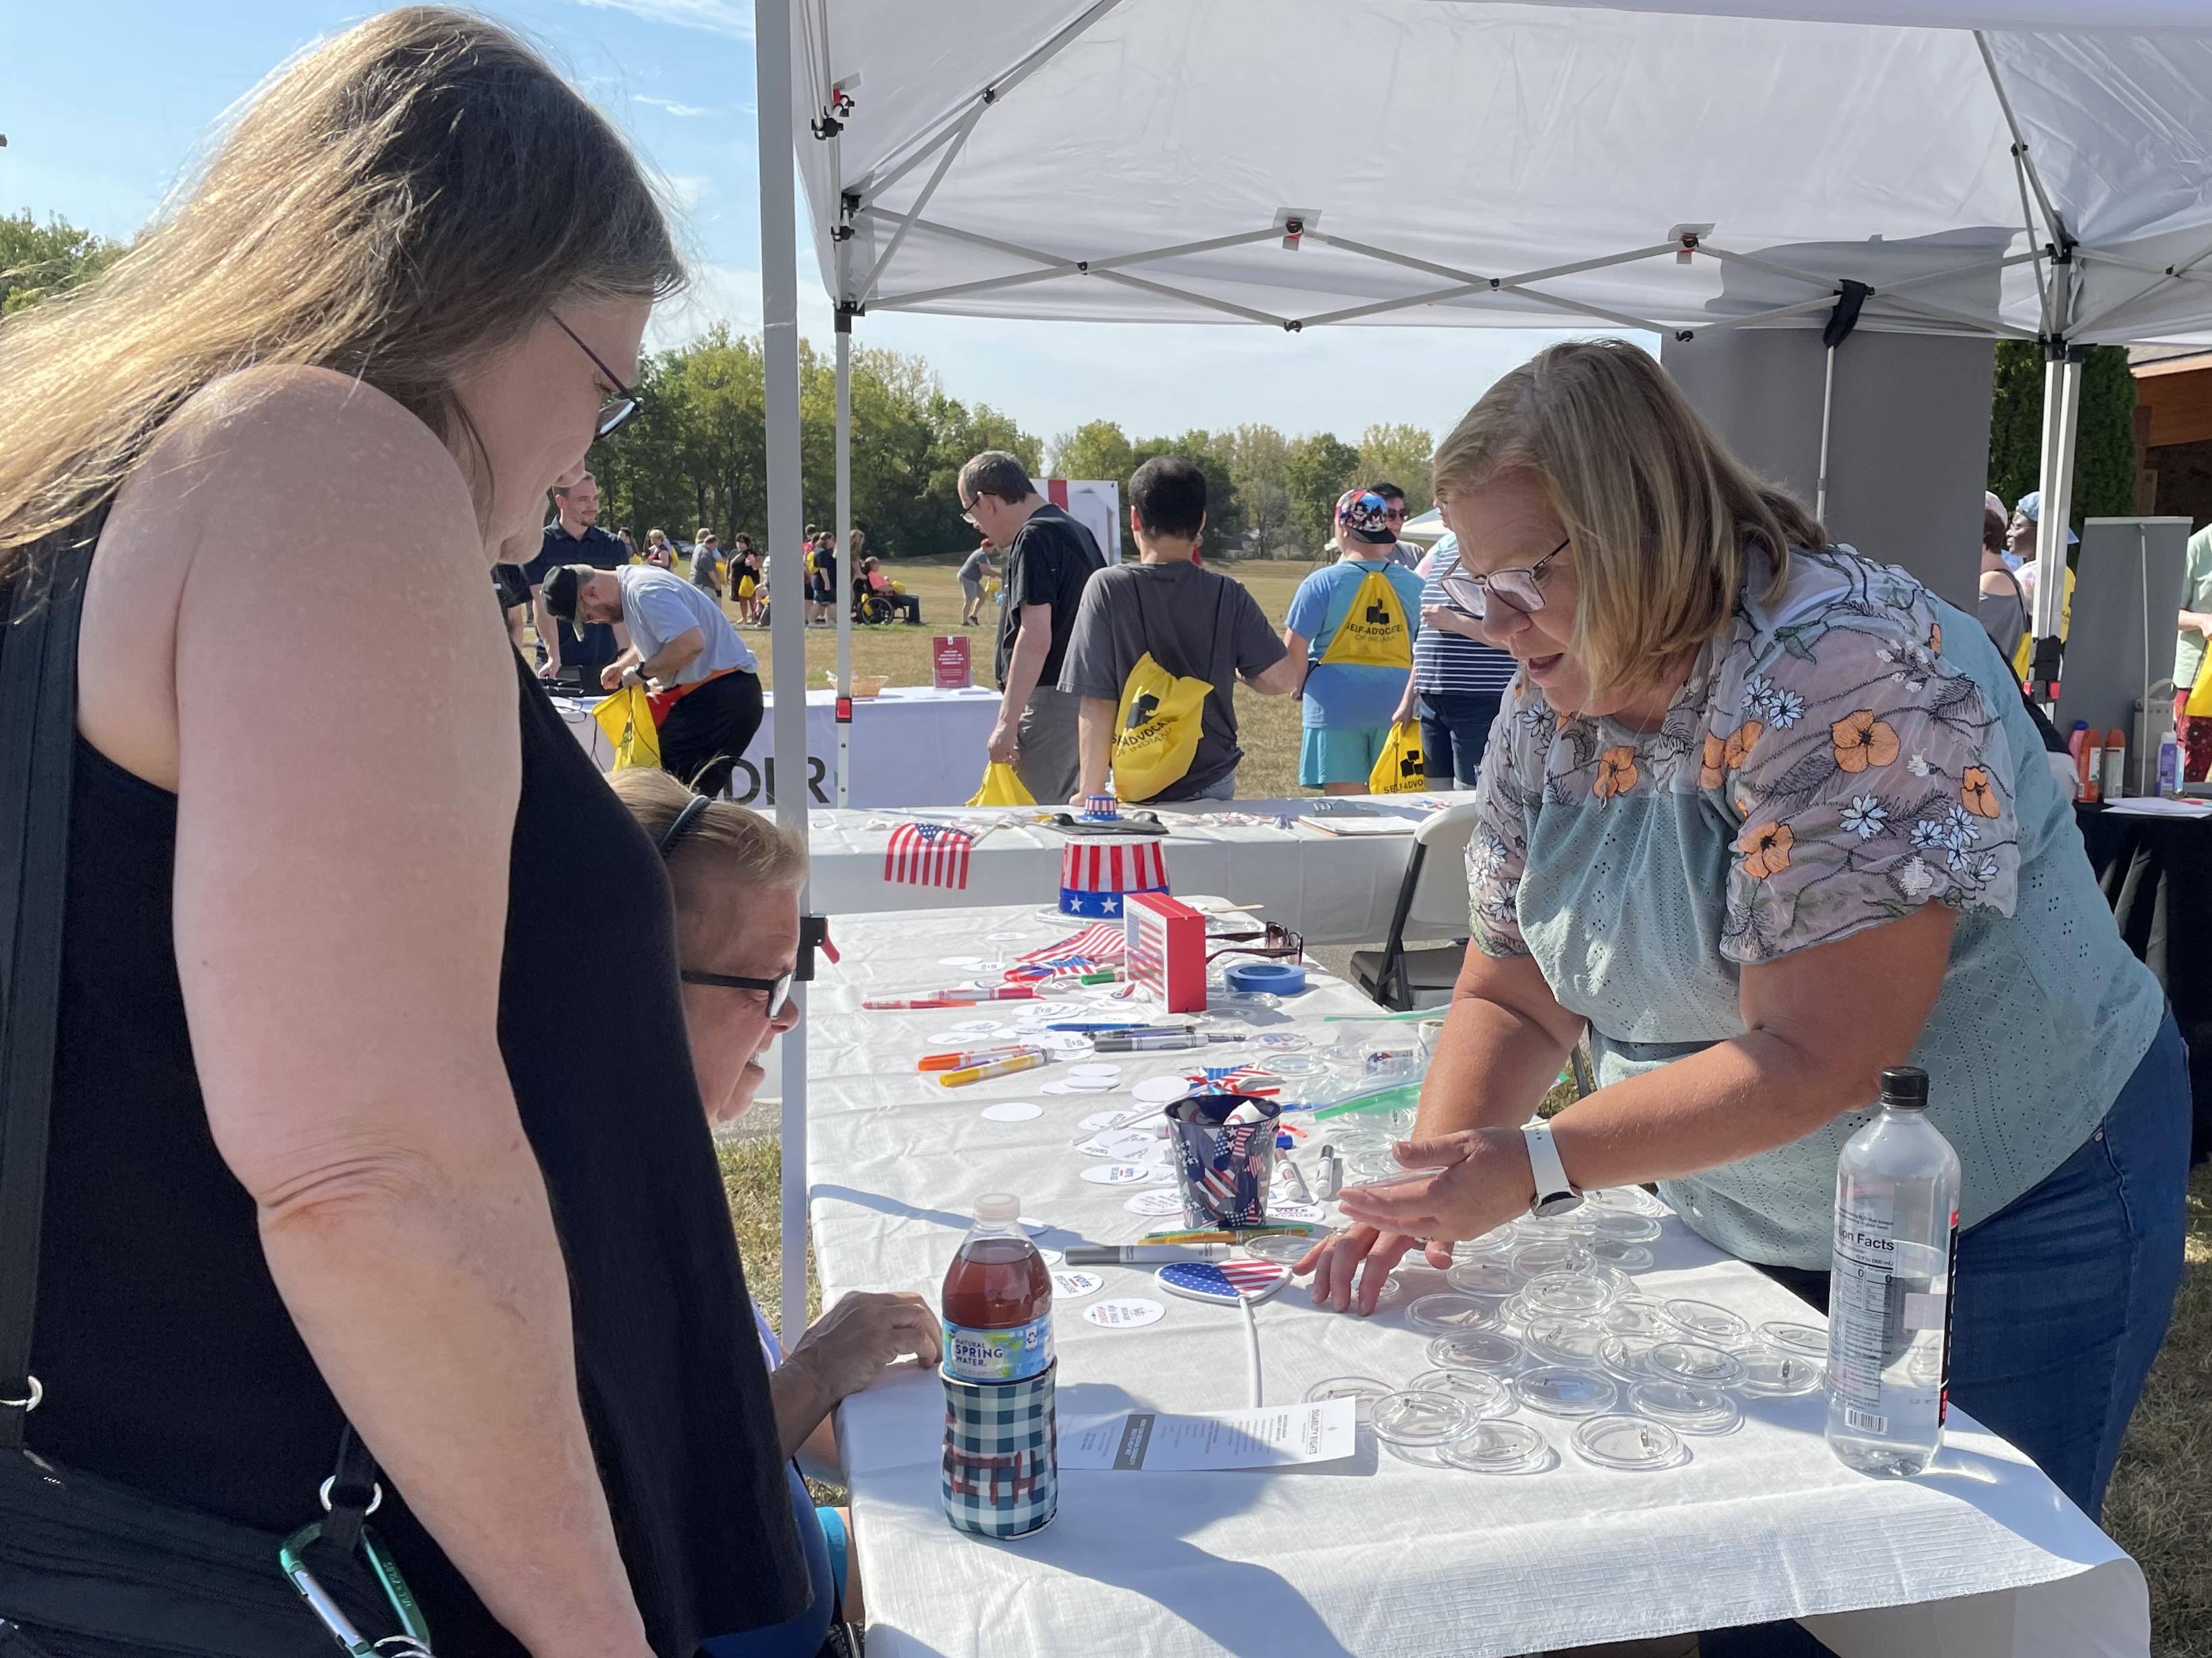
(876, 598)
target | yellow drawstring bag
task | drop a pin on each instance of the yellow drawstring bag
(1374, 633)
(1400, 767)
(1155, 729)
(626, 719)
(1001, 787)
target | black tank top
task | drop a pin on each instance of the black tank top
(168, 1359)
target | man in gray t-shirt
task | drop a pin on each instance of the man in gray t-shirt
(1194, 622)
(704, 681)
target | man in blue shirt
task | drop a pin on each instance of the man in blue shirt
(573, 536)
(1352, 623)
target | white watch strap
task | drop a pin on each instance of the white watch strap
(1544, 1163)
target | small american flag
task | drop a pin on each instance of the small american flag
(1229, 1282)
(1255, 1080)
(928, 855)
(1100, 945)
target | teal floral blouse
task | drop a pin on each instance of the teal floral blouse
(1852, 749)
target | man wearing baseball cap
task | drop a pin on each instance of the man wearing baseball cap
(1352, 623)
(703, 681)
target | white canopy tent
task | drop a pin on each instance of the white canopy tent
(2027, 169)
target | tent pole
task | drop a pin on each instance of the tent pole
(2061, 395)
(1827, 410)
(779, 246)
(844, 557)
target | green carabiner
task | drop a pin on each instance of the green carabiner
(415, 1642)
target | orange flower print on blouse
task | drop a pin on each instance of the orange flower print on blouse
(1616, 773)
(1862, 740)
(1766, 850)
(1935, 636)
(1741, 742)
(1974, 789)
(1709, 774)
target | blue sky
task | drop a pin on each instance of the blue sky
(103, 102)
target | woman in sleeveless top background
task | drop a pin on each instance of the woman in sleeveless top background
(333, 1137)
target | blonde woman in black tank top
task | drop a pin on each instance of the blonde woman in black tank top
(334, 1134)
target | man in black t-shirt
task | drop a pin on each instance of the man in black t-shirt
(1049, 560)
(575, 538)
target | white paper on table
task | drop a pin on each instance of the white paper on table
(2155, 805)
(1150, 1441)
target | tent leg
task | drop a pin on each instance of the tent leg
(779, 246)
(2062, 416)
(844, 557)
(1827, 410)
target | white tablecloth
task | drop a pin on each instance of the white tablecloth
(1335, 889)
(1981, 1557)
(912, 745)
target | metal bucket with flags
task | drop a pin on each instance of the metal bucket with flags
(1093, 875)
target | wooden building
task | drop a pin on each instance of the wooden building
(2173, 430)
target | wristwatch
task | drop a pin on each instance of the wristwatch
(1555, 1192)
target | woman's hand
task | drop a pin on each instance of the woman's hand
(1335, 1263)
(842, 1352)
(1465, 1184)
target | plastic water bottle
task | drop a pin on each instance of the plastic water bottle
(1889, 1296)
(1002, 1464)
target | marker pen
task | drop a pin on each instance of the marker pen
(1007, 1068)
(972, 1056)
(1142, 1255)
(1158, 1041)
(954, 996)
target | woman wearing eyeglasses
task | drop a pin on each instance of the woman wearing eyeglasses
(736, 878)
(1762, 817)
(326, 1145)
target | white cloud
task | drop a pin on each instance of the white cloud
(732, 17)
(689, 189)
(672, 107)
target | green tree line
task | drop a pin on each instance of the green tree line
(1266, 493)
(38, 259)
(2103, 446)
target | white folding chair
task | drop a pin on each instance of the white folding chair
(1433, 904)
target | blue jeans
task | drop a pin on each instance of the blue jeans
(800, 1636)
(1455, 730)
(2061, 1300)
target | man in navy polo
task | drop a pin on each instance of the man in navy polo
(575, 538)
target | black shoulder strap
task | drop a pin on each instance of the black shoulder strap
(37, 736)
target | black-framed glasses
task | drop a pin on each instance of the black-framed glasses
(1521, 589)
(777, 990)
(616, 411)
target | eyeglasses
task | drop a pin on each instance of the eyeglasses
(777, 990)
(615, 411)
(1518, 590)
(1275, 939)
(968, 514)
(1397, 513)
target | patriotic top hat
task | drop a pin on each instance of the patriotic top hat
(1095, 874)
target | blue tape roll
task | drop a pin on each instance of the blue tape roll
(1275, 978)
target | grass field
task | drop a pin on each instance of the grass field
(2159, 1508)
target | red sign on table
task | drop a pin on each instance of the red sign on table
(953, 672)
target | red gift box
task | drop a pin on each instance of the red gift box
(1167, 949)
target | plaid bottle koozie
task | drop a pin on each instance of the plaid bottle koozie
(1001, 1476)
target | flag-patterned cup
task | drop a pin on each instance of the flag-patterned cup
(1223, 1168)
(1001, 1475)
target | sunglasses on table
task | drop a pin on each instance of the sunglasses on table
(777, 990)
(1275, 940)
(1520, 589)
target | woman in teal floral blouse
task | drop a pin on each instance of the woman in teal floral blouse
(1763, 817)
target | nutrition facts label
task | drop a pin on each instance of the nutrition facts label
(1859, 1292)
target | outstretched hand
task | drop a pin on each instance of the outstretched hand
(1458, 1186)
(865, 1333)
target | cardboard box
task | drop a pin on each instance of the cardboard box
(1167, 949)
